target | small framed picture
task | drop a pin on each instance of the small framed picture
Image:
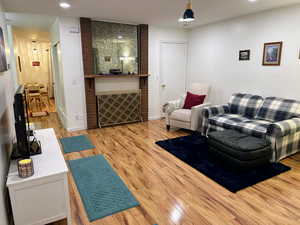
(272, 54)
(3, 63)
(244, 55)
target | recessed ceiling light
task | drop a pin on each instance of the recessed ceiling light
(252, 0)
(64, 5)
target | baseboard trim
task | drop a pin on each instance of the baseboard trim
(62, 116)
(76, 129)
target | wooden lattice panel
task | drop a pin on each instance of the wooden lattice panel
(118, 107)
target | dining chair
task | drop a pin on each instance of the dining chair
(45, 95)
(34, 96)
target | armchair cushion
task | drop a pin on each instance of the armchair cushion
(245, 104)
(193, 100)
(181, 114)
(278, 109)
(283, 128)
(227, 121)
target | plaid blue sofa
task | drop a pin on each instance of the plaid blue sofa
(276, 119)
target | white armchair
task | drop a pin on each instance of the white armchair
(190, 119)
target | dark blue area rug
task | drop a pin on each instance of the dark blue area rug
(193, 150)
(76, 143)
(102, 191)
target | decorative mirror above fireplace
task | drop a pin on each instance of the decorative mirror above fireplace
(115, 47)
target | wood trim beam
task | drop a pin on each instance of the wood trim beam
(87, 57)
(143, 47)
(87, 46)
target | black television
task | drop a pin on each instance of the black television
(22, 148)
(27, 144)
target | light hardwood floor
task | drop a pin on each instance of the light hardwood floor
(171, 192)
(50, 108)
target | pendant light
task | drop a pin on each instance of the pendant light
(188, 15)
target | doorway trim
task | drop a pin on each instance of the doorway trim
(160, 80)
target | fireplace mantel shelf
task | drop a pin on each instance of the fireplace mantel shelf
(116, 76)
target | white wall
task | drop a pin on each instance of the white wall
(57, 69)
(156, 35)
(13, 62)
(66, 31)
(214, 55)
(7, 88)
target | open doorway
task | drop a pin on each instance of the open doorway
(32, 50)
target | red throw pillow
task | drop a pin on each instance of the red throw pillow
(193, 100)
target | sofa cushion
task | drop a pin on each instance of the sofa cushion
(181, 114)
(227, 121)
(245, 104)
(257, 128)
(278, 109)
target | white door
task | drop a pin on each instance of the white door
(173, 66)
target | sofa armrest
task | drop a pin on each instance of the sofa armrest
(196, 116)
(171, 106)
(200, 107)
(285, 127)
(208, 112)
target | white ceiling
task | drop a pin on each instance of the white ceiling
(154, 12)
(32, 21)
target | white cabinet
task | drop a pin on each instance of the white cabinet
(44, 197)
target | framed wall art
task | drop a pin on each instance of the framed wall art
(244, 55)
(272, 54)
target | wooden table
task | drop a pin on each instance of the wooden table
(41, 86)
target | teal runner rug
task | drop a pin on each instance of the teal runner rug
(76, 143)
(102, 191)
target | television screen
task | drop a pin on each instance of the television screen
(21, 124)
